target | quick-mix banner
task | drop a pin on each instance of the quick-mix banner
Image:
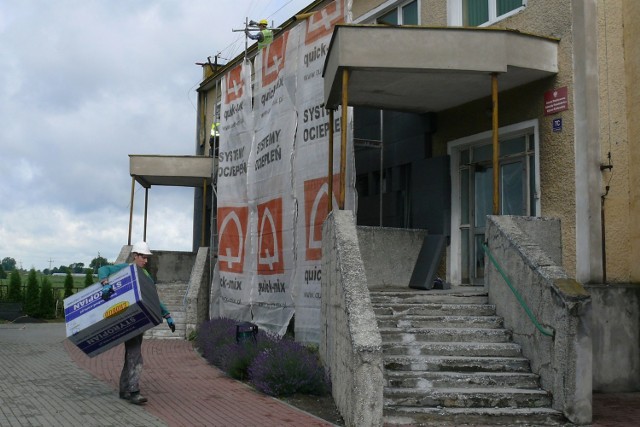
(270, 182)
(231, 288)
(286, 183)
(310, 166)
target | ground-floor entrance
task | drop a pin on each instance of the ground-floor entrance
(472, 192)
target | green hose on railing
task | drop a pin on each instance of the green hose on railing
(549, 333)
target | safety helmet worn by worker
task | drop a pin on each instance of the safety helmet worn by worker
(263, 22)
(141, 248)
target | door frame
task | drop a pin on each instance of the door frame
(454, 255)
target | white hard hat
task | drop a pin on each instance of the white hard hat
(141, 248)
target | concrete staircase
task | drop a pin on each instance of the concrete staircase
(172, 295)
(449, 361)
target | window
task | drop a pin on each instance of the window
(405, 14)
(476, 13)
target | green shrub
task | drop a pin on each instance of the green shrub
(32, 295)
(47, 301)
(15, 287)
(68, 285)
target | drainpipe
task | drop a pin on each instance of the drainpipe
(604, 246)
(608, 167)
(496, 145)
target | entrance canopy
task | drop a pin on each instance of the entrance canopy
(177, 171)
(422, 69)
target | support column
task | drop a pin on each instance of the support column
(496, 144)
(343, 137)
(146, 203)
(133, 187)
(330, 172)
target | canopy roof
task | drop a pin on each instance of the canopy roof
(426, 69)
(179, 171)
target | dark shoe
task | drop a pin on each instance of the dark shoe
(137, 399)
(125, 395)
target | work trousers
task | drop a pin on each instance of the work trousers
(132, 369)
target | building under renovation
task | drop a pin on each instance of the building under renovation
(379, 157)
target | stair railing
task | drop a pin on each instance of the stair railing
(548, 332)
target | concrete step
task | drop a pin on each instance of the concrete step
(456, 363)
(467, 397)
(162, 330)
(418, 321)
(433, 309)
(408, 335)
(490, 349)
(449, 361)
(473, 416)
(426, 379)
(421, 297)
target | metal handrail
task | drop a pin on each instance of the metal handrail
(548, 332)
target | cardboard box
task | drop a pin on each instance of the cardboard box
(95, 325)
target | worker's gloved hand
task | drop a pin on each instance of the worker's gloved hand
(171, 323)
(107, 291)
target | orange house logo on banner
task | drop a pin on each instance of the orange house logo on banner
(232, 234)
(270, 257)
(316, 208)
(273, 58)
(235, 84)
(321, 23)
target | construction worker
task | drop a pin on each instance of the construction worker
(215, 137)
(214, 129)
(264, 35)
(132, 369)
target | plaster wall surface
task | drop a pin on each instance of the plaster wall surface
(350, 342)
(631, 40)
(614, 140)
(171, 266)
(198, 291)
(164, 266)
(560, 305)
(556, 149)
(616, 337)
(389, 254)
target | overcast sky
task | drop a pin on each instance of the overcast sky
(85, 83)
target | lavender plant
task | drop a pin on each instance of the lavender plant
(288, 368)
(216, 340)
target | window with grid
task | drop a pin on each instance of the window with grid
(404, 14)
(480, 12)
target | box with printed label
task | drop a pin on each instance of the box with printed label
(95, 325)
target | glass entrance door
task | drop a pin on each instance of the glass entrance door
(476, 196)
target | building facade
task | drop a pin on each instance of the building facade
(433, 86)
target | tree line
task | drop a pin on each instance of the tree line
(9, 264)
(38, 296)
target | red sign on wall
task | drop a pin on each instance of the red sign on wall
(273, 59)
(232, 234)
(316, 207)
(270, 245)
(556, 100)
(235, 84)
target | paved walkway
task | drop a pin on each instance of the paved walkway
(46, 381)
